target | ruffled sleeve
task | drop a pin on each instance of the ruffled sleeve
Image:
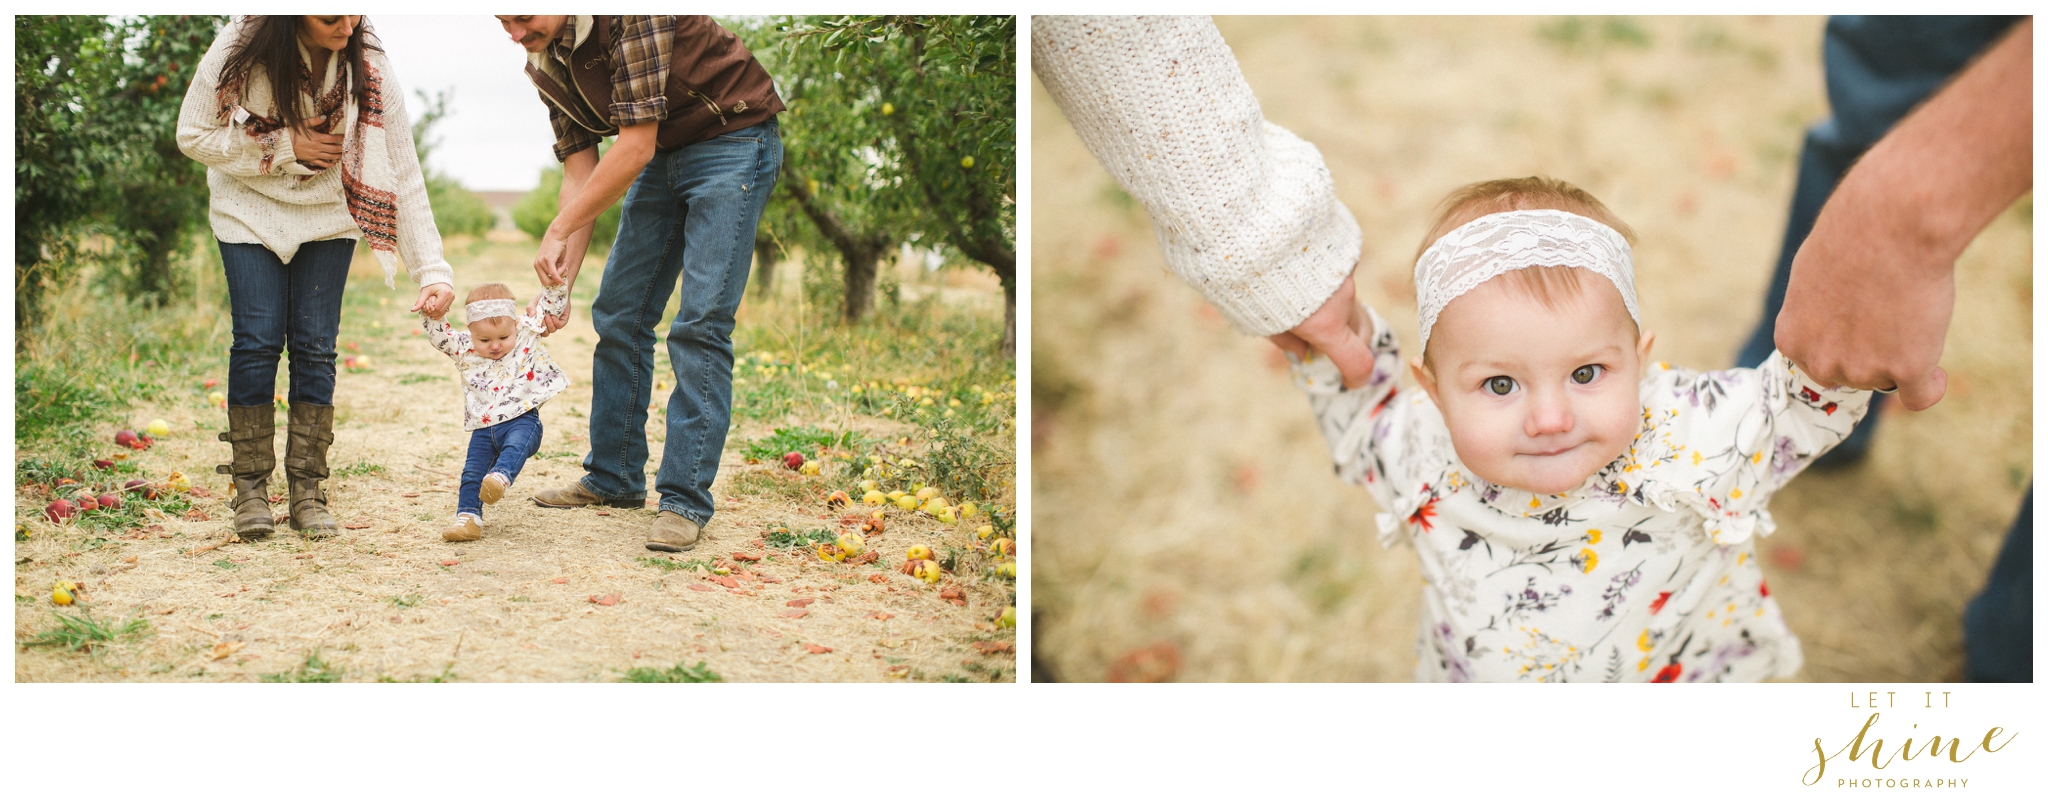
(1721, 443)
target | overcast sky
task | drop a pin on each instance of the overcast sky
(496, 135)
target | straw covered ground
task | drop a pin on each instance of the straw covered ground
(1185, 523)
(547, 595)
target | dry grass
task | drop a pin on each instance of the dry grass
(391, 600)
(1186, 522)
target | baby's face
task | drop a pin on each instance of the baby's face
(493, 337)
(1536, 398)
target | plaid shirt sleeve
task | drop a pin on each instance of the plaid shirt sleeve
(640, 55)
(569, 136)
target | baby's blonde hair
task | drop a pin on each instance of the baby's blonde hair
(490, 291)
(1535, 193)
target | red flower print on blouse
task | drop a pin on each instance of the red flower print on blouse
(1763, 588)
(1669, 673)
(1658, 605)
(1422, 515)
(529, 375)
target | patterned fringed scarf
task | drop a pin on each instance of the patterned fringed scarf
(366, 173)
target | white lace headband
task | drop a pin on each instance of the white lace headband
(489, 308)
(1490, 246)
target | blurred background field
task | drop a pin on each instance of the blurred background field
(1185, 520)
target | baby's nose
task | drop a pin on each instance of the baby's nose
(1549, 416)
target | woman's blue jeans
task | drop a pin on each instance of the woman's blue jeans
(276, 305)
(501, 448)
(690, 216)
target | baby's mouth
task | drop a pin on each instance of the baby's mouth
(1551, 452)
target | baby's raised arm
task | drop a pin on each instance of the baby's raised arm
(1361, 425)
(444, 336)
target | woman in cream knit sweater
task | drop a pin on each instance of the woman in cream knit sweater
(1244, 210)
(302, 127)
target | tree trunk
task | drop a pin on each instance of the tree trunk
(861, 268)
(1009, 320)
(766, 256)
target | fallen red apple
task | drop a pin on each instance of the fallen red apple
(87, 503)
(128, 438)
(110, 501)
(102, 464)
(211, 383)
(793, 461)
(838, 499)
(141, 486)
(60, 511)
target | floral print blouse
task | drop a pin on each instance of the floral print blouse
(503, 389)
(1647, 572)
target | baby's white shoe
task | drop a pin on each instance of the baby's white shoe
(466, 527)
(493, 488)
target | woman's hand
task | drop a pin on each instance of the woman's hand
(434, 300)
(1338, 331)
(549, 321)
(316, 150)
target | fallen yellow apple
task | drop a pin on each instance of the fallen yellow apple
(918, 552)
(1008, 619)
(984, 532)
(1007, 570)
(873, 499)
(851, 544)
(928, 571)
(906, 502)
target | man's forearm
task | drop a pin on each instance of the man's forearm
(614, 173)
(575, 175)
(1952, 166)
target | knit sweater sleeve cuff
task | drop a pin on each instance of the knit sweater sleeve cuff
(436, 272)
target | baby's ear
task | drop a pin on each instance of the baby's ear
(1643, 347)
(1424, 377)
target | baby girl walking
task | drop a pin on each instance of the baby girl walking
(506, 376)
(1576, 518)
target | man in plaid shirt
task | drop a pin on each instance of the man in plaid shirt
(696, 157)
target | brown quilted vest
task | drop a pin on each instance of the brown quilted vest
(714, 84)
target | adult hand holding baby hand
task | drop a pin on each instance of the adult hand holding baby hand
(1866, 310)
(549, 322)
(434, 300)
(1336, 331)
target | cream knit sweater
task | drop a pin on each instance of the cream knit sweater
(257, 196)
(1245, 210)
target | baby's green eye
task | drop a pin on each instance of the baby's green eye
(1500, 386)
(1585, 374)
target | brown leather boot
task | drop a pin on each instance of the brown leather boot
(252, 433)
(305, 465)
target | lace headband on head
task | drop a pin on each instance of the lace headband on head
(488, 309)
(1490, 246)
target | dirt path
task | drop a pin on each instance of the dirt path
(388, 599)
(1185, 523)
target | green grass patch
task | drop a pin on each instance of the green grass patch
(691, 674)
(406, 601)
(360, 468)
(416, 378)
(785, 539)
(82, 632)
(312, 670)
(666, 564)
(769, 483)
(802, 440)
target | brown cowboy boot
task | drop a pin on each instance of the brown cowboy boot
(305, 465)
(252, 432)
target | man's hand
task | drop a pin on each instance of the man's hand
(549, 321)
(434, 300)
(1873, 287)
(1336, 331)
(316, 150)
(1865, 310)
(549, 262)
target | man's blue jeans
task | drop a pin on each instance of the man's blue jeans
(499, 448)
(690, 215)
(273, 304)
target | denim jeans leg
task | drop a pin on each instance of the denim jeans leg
(1998, 625)
(638, 276)
(258, 287)
(318, 273)
(483, 450)
(519, 440)
(725, 184)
